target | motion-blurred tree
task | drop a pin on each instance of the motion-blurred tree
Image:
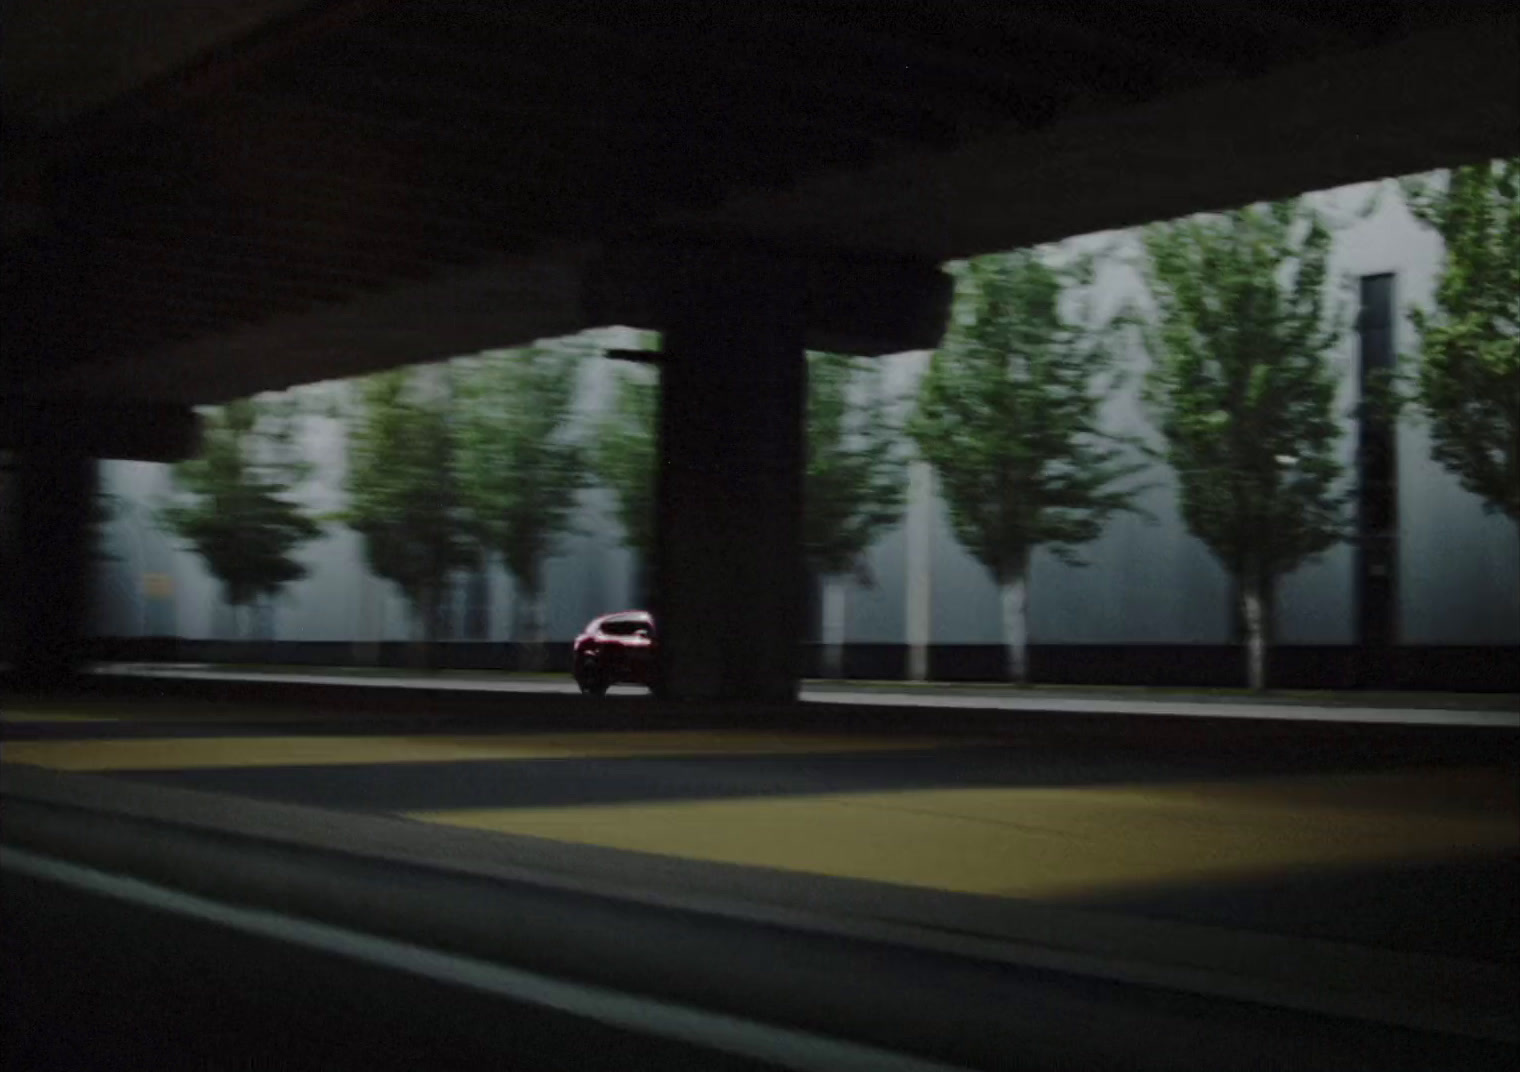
(403, 495)
(1008, 415)
(1243, 392)
(623, 457)
(231, 501)
(855, 481)
(1467, 376)
(520, 467)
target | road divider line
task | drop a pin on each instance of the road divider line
(22, 718)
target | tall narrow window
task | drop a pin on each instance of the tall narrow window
(1377, 474)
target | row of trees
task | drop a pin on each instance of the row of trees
(450, 465)
(1241, 389)
(453, 464)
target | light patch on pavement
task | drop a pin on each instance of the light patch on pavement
(1058, 842)
(226, 752)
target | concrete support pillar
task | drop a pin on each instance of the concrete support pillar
(729, 570)
(53, 493)
(729, 589)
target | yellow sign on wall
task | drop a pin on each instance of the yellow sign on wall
(158, 585)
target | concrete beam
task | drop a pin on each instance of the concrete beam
(98, 429)
(503, 304)
(867, 305)
(1431, 100)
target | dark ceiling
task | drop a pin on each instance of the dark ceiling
(325, 153)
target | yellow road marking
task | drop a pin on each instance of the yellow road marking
(169, 753)
(25, 717)
(1050, 842)
(213, 714)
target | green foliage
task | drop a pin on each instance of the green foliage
(1467, 380)
(403, 495)
(520, 468)
(1008, 413)
(856, 473)
(1240, 385)
(231, 501)
(623, 458)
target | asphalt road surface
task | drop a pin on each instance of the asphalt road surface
(1415, 850)
(94, 980)
(1411, 848)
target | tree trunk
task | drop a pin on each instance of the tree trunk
(269, 629)
(918, 596)
(1256, 616)
(425, 650)
(529, 629)
(367, 648)
(480, 594)
(244, 622)
(643, 578)
(834, 605)
(1015, 598)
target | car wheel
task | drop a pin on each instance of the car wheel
(591, 681)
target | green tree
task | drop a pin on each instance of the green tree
(403, 495)
(1243, 392)
(1467, 376)
(1008, 416)
(854, 485)
(231, 502)
(623, 458)
(520, 466)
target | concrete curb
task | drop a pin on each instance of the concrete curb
(930, 697)
(529, 710)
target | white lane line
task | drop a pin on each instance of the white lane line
(781, 1046)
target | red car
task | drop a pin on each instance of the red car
(615, 649)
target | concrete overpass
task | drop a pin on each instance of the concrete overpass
(204, 202)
